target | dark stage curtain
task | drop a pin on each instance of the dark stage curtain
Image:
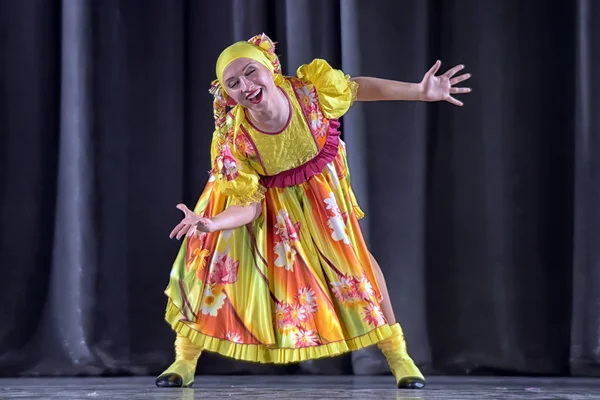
(485, 218)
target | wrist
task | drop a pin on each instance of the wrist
(213, 224)
(419, 90)
(405, 91)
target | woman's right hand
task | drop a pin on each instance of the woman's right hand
(191, 223)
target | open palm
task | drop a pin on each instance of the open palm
(191, 224)
(441, 88)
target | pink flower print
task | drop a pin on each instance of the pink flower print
(344, 290)
(307, 299)
(373, 315)
(285, 229)
(305, 338)
(225, 270)
(364, 289)
(244, 145)
(297, 315)
(282, 317)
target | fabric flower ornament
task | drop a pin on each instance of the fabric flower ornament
(268, 46)
(227, 164)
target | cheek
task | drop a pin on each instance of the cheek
(265, 80)
(235, 95)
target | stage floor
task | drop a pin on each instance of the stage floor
(299, 387)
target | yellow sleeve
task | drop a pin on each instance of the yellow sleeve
(234, 176)
(335, 89)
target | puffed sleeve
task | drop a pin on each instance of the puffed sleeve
(335, 90)
(235, 177)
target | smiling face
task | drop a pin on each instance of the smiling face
(249, 83)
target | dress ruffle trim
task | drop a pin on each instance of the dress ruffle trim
(353, 85)
(255, 196)
(304, 172)
(260, 353)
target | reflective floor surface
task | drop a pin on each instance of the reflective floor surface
(299, 387)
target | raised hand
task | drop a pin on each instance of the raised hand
(191, 224)
(441, 88)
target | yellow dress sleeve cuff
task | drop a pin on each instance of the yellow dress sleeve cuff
(254, 196)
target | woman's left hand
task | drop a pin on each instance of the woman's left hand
(441, 88)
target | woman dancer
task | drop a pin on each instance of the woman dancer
(273, 267)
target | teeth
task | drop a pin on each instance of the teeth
(253, 94)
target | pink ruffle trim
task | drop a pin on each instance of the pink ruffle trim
(313, 167)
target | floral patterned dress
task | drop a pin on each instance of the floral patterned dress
(296, 284)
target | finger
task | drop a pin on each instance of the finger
(176, 229)
(180, 231)
(184, 231)
(191, 231)
(435, 68)
(182, 226)
(454, 70)
(460, 90)
(459, 79)
(454, 101)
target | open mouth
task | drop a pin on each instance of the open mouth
(255, 97)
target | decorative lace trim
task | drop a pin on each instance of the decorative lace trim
(255, 196)
(353, 85)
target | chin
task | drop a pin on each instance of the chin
(260, 107)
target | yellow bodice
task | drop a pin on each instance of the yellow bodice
(282, 151)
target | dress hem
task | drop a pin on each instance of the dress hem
(261, 353)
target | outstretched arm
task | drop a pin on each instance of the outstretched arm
(431, 88)
(233, 217)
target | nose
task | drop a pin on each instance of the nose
(246, 84)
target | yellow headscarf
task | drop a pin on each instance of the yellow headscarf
(259, 48)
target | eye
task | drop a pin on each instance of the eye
(250, 72)
(234, 84)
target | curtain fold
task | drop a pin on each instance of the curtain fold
(483, 218)
(585, 340)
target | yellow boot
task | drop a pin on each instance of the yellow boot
(181, 373)
(403, 368)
